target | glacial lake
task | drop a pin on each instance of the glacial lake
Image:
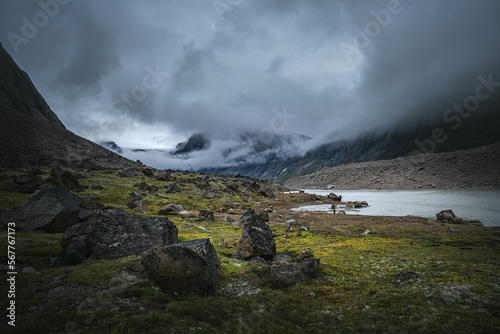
(483, 205)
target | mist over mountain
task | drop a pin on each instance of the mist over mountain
(152, 76)
(363, 80)
(204, 152)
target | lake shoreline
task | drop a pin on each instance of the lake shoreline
(477, 204)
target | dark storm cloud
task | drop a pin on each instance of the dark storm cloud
(226, 72)
(94, 56)
(276, 65)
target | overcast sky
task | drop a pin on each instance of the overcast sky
(151, 73)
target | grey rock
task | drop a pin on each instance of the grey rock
(315, 197)
(267, 192)
(127, 173)
(357, 204)
(183, 268)
(131, 204)
(50, 210)
(445, 215)
(405, 276)
(256, 239)
(62, 179)
(172, 209)
(162, 175)
(281, 258)
(335, 198)
(135, 196)
(206, 215)
(208, 194)
(294, 227)
(232, 186)
(246, 217)
(114, 233)
(142, 206)
(148, 171)
(475, 222)
(173, 188)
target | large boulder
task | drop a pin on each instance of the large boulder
(232, 186)
(62, 179)
(208, 194)
(173, 188)
(49, 210)
(446, 215)
(162, 175)
(185, 267)
(148, 171)
(142, 206)
(206, 216)
(335, 198)
(267, 192)
(294, 227)
(172, 209)
(357, 204)
(247, 216)
(256, 238)
(114, 233)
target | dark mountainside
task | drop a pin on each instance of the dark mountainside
(17, 92)
(32, 134)
(196, 142)
(474, 168)
(477, 131)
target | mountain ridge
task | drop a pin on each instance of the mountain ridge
(32, 134)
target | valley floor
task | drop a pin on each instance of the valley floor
(455, 289)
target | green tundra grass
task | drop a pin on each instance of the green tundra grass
(457, 289)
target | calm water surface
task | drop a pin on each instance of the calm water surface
(483, 205)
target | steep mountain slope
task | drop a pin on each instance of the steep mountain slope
(196, 142)
(32, 134)
(399, 142)
(17, 92)
(474, 168)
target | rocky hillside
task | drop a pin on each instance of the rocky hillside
(475, 168)
(17, 92)
(32, 134)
